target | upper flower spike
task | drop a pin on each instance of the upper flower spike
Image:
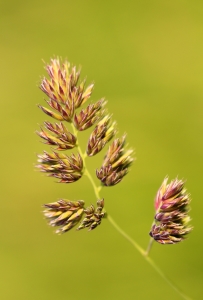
(63, 90)
(171, 218)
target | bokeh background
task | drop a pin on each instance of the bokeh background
(146, 58)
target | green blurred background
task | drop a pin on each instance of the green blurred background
(146, 58)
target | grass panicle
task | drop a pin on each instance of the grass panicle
(66, 94)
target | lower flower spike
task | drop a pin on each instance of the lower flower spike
(171, 218)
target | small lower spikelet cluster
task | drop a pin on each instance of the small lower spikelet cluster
(171, 218)
(66, 214)
(93, 216)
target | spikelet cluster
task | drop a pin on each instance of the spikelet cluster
(116, 163)
(66, 95)
(66, 168)
(93, 216)
(171, 218)
(65, 214)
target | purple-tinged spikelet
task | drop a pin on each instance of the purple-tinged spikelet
(64, 214)
(63, 84)
(116, 163)
(64, 92)
(66, 168)
(60, 136)
(171, 218)
(93, 216)
(101, 135)
(90, 115)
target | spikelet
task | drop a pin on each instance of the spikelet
(60, 136)
(171, 218)
(102, 134)
(63, 90)
(89, 116)
(116, 163)
(64, 214)
(66, 168)
(93, 216)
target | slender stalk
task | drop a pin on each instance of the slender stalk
(150, 243)
(96, 189)
(125, 235)
(147, 258)
(149, 246)
(169, 282)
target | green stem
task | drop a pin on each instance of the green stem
(169, 282)
(149, 246)
(135, 245)
(125, 235)
(150, 242)
(147, 258)
(96, 189)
